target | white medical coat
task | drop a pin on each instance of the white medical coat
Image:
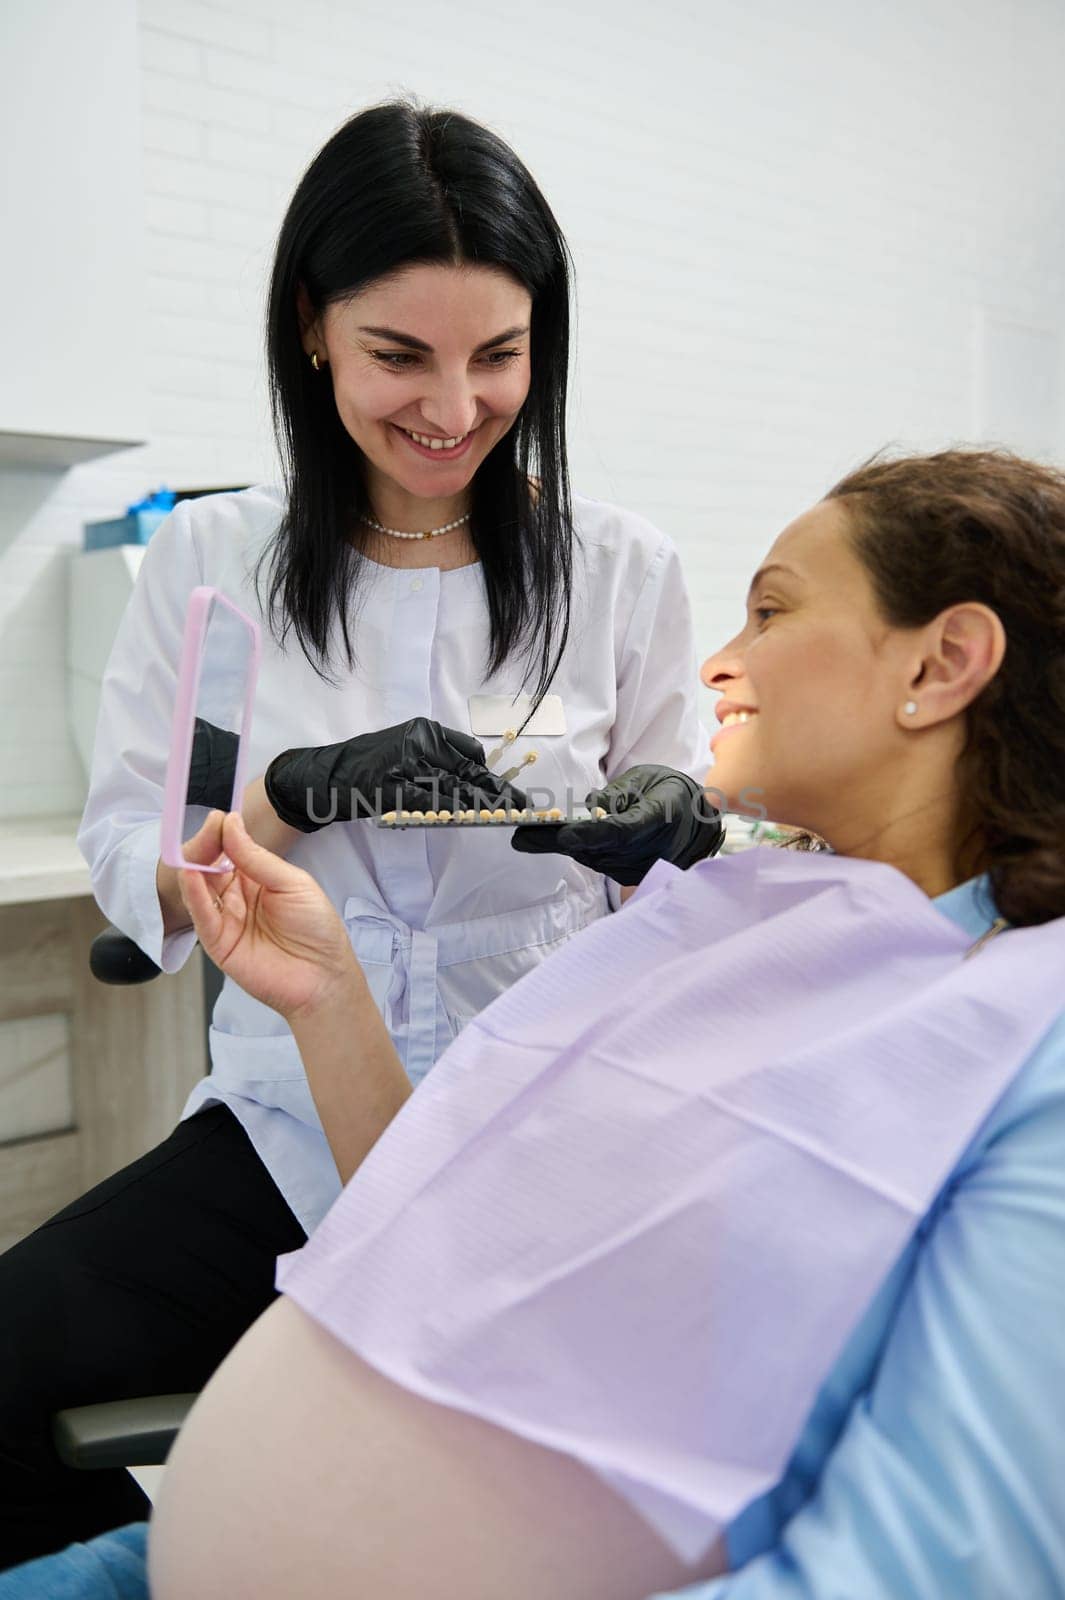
(442, 922)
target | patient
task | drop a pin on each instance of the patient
(771, 1160)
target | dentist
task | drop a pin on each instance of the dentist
(425, 580)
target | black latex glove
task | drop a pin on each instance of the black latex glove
(416, 766)
(212, 766)
(656, 814)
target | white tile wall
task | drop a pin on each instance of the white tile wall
(786, 222)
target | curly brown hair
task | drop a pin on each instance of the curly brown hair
(985, 525)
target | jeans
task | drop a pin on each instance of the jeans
(113, 1567)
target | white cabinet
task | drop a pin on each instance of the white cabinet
(71, 269)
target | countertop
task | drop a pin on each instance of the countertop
(40, 861)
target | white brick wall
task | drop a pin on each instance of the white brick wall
(786, 221)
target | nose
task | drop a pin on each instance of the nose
(451, 408)
(720, 669)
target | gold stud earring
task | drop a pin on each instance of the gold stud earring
(910, 708)
(314, 361)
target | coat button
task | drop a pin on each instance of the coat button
(417, 585)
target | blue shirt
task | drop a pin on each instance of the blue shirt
(932, 1466)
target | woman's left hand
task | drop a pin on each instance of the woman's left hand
(267, 924)
(655, 814)
(212, 765)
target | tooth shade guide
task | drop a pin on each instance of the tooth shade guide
(512, 772)
(548, 817)
(509, 736)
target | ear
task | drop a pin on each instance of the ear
(310, 324)
(963, 649)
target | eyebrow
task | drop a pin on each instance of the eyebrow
(771, 566)
(412, 343)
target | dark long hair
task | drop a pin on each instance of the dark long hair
(985, 525)
(402, 184)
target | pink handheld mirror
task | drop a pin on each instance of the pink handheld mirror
(214, 698)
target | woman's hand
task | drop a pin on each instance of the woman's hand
(212, 765)
(416, 766)
(655, 814)
(272, 930)
(266, 923)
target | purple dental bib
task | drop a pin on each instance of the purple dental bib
(638, 1207)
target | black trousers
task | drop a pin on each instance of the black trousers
(140, 1287)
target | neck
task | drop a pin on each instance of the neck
(450, 550)
(394, 507)
(911, 824)
(917, 846)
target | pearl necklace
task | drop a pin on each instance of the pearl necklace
(432, 533)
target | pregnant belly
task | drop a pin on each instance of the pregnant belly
(303, 1471)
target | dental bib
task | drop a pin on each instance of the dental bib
(636, 1210)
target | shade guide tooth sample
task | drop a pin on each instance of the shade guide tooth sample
(512, 772)
(509, 736)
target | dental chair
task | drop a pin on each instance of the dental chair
(120, 1433)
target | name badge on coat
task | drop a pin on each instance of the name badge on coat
(491, 715)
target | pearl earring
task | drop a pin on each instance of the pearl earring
(910, 708)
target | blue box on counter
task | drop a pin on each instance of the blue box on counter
(136, 527)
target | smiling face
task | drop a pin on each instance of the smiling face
(430, 368)
(813, 688)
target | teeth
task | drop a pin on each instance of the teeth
(734, 717)
(434, 444)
